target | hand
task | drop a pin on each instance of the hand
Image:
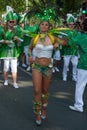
(30, 59)
(56, 45)
(2, 41)
(7, 42)
(16, 38)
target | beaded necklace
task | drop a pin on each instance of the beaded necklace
(43, 37)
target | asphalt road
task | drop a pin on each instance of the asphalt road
(16, 111)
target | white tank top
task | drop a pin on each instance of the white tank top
(43, 51)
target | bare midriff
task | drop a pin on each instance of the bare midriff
(42, 61)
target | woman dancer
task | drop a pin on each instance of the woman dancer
(44, 43)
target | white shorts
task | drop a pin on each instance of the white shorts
(10, 63)
(57, 55)
(26, 50)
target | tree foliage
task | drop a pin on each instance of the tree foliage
(17, 5)
(71, 5)
(37, 5)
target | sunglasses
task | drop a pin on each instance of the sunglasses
(11, 21)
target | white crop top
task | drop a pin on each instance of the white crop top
(43, 51)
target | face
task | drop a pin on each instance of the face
(2, 23)
(11, 23)
(44, 26)
(22, 25)
(71, 25)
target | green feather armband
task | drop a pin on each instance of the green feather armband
(29, 54)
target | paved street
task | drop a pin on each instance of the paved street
(16, 111)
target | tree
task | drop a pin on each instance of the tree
(71, 5)
(17, 5)
(38, 5)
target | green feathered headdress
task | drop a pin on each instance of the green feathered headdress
(15, 16)
(22, 18)
(70, 18)
(9, 16)
(9, 13)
